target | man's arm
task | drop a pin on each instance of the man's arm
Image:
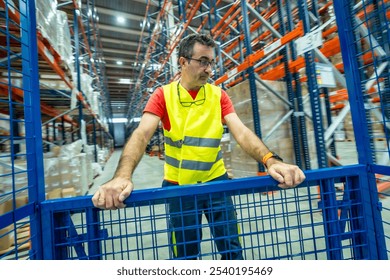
(112, 194)
(287, 175)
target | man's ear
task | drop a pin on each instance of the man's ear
(182, 61)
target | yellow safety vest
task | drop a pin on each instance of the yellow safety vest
(192, 146)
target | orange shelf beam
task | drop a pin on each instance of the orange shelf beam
(18, 95)
(53, 59)
(251, 59)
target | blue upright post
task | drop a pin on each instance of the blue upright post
(290, 90)
(36, 181)
(94, 139)
(349, 42)
(301, 145)
(314, 92)
(251, 74)
(77, 64)
(324, 90)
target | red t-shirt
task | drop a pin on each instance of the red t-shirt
(157, 106)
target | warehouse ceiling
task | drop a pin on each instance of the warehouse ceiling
(120, 28)
(121, 24)
(124, 30)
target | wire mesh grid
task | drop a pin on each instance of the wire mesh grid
(16, 118)
(370, 24)
(382, 177)
(322, 219)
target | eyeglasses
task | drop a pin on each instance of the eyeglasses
(189, 103)
(203, 62)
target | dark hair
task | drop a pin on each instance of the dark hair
(186, 46)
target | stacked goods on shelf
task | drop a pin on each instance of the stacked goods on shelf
(64, 40)
(86, 82)
(86, 85)
(17, 182)
(271, 111)
(7, 234)
(46, 11)
(54, 32)
(54, 28)
(57, 135)
(4, 131)
(94, 167)
(69, 171)
(94, 102)
(18, 129)
(13, 78)
(13, 193)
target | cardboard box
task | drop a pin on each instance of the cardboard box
(68, 192)
(5, 207)
(6, 237)
(55, 193)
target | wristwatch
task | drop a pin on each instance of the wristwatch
(271, 155)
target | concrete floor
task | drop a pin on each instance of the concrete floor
(149, 174)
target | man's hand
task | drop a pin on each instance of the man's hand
(288, 175)
(111, 195)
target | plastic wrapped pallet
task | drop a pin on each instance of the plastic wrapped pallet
(95, 102)
(271, 110)
(86, 85)
(67, 169)
(64, 42)
(46, 11)
(84, 184)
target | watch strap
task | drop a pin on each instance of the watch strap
(267, 157)
(270, 155)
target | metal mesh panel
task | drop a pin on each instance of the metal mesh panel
(382, 178)
(370, 24)
(18, 128)
(325, 218)
(365, 47)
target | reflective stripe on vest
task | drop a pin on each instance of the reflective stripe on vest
(191, 164)
(194, 141)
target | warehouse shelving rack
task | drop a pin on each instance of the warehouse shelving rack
(21, 168)
(56, 63)
(276, 224)
(85, 34)
(231, 30)
(25, 100)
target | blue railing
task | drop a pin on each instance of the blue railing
(329, 216)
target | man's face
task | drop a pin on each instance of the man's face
(196, 70)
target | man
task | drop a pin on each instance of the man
(193, 112)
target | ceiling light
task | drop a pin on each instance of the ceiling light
(119, 62)
(119, 120)
(120, 19)
(125, 81)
